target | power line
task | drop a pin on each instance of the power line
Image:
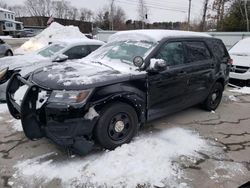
(154, 7)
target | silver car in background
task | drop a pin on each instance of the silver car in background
(5, 49)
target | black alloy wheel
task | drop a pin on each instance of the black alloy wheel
(214, 98)
(117, 125)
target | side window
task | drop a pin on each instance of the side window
(77, 52)
(218, 49)
(172, 53)
(94, 47)
(197, 51)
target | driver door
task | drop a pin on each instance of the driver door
(167, 89)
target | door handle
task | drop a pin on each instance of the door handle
(212, 65)
(181, 73)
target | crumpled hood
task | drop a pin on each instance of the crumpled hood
(77, 75)
(26, 63)
(241, 60)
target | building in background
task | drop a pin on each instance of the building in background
(8, 24)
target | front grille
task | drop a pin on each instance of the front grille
(239, 69)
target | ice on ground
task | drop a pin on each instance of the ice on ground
(54, 32)
(148, 160)
(233, 98)
(243, 90)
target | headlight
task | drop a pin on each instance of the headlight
(68, 97)
(3, 73)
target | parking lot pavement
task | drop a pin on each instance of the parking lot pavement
(224, 163)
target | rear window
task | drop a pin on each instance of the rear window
(218, 48)
(197, 51)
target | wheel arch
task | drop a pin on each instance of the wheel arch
(123, 93)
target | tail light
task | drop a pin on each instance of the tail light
(230, 61)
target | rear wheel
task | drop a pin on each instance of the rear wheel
(214, 98)
(117, 125)
(9, 53)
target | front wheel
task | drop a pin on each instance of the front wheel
(9, 53)
(214, 98)
(117, 125)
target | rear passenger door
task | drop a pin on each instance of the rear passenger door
(200, 68)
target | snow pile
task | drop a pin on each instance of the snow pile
(243, 90)
(54, 32)
(149, 160)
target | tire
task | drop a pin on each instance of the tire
(117, 125)
(9, 53)
(214, 98)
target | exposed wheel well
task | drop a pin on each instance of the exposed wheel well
(139, 112)
(221, 81)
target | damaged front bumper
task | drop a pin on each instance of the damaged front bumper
(63, 124)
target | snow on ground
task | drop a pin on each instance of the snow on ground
(243, 90)
(54, 32)
(148, 160)
(15, 124)
(6, 37)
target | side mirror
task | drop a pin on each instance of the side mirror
(158, 65)
(138, 61)
(61, 58)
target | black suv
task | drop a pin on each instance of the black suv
(105, 98)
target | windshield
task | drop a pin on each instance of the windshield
(50, 50)
(125, 51)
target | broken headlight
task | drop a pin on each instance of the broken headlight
(68, 97)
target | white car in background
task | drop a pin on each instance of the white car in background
(56, 52)
(240, 71)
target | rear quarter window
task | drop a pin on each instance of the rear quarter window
(218, 48)
(197, 51)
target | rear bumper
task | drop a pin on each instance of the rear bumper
(51, 120)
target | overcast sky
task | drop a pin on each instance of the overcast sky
(159, 10)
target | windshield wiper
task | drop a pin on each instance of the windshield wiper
(98, 62)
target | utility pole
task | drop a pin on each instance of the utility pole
(112, 15)
(246, 12)
(189, 14)
(203, 23)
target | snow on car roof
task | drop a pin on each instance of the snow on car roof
(154, 35)
(75, 41)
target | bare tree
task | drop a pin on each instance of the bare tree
(86, 14)
(39, 7)
(142, 11)
(63, 9)
(203, 22)
(20, 10)
(3, 4)
(119, 18)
